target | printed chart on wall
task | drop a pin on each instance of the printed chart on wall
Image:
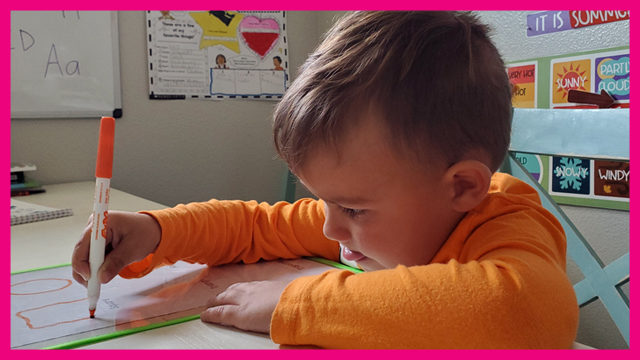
(545, 83)
(593, 73)
(48, 308)
(217, 54)
(580, 181)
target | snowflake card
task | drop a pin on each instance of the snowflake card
(571, 176)
(588, 182)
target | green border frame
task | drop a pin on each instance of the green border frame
(104, 337)
(36, 269)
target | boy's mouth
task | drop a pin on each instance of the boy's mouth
(351, 255)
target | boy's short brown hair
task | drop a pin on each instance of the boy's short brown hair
(435, 77)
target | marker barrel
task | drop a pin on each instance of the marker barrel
(98, 238)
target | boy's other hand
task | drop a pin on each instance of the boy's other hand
(247, 306)
(130, 238)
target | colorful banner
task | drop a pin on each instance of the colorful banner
(581, 19)
(547, 22)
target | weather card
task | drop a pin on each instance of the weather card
(49, 308)
(524, 79)
(533, 163)
(607, 71)
(589, 179)
(217, 54)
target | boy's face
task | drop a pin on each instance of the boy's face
(385, 210)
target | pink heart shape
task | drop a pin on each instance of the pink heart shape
(260, 35)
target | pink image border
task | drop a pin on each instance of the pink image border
(290, 5)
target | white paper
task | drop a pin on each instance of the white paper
(49, 308)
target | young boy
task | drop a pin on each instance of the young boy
(396, 122)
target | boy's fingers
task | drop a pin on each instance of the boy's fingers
(227, 297)
(223, 314)
(112, 265)
(115, 261)
(80, 257)
(77, 277)
(90, 221)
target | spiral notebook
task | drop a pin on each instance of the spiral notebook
(24, 212)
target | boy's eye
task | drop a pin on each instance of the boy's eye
(352, 213)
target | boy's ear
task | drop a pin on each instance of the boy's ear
(468, 182)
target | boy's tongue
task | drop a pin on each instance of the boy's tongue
(351, 255)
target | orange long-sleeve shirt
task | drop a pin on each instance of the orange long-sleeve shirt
(499, 281)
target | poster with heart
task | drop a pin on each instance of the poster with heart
(217, 54)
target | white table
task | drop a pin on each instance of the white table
(51, 242)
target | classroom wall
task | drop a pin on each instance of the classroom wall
(169, 151)
(181, 151)
(606, 230)
(325, 20)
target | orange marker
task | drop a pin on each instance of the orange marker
(104, 166)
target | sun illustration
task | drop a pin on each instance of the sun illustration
(571, 79)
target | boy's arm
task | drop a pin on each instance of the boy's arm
(507, 289)
(221, 232)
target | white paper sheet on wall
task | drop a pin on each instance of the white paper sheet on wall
(49, 308)
(217, 54)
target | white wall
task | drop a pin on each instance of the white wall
(169, 151)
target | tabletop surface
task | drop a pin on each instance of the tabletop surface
(51, 242)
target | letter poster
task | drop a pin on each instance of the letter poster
(217, 54)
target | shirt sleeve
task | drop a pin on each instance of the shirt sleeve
(505, 287)
(222, 232)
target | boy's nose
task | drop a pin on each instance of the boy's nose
(333, 228)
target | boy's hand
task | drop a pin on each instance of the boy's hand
(247, 306)
(130, 238)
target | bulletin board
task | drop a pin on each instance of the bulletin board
(65, 64)
(216, 55)
(544, 83)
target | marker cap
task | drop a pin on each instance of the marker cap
(104, 164)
